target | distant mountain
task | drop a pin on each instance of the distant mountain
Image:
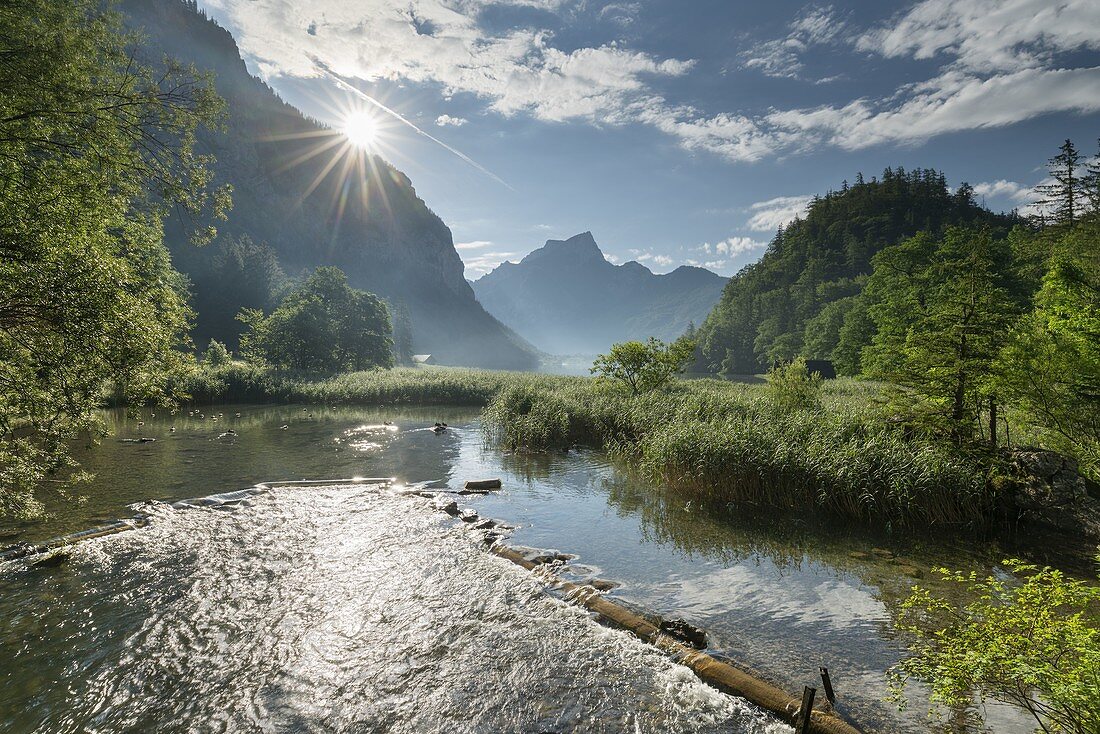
(566, 298)
(802, 298)
(375, 227)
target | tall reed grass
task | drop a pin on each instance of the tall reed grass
(724, 442)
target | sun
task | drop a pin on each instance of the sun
(361, 129)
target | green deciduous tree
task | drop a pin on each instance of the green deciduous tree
(1051, 366)
(324, 326)
(942, 309)
(644, 366)
(793, 387)
(1034, 644)
(95, 149)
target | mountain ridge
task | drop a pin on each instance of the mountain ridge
(373, 226)
(567, 298)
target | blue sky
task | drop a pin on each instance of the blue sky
(682, 131)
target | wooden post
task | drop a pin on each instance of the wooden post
(805, 709)
(827, 684)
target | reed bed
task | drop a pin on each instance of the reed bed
(730, 444)
(722, 442)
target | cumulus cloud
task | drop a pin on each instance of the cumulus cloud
(1002, 189)
(733, 246)
(648, 256)
(442, 43)
(770, 215)
(445, 120)
(998, 64)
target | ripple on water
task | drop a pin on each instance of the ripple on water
(327, 609)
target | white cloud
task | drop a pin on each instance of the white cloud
(999, 63)
(442, 43)
(733, 246)
(474, 245)
(1002, 189)
(989, 35)
(782, 57)
(482, 263)
(949, 103)
(445, 120)
(770, 215)
(663, 260)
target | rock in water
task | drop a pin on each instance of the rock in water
(685, 632)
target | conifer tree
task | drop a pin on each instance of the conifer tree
(1063, 196)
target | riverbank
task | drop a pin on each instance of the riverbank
(723, 442)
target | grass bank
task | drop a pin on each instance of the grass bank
(724, 442)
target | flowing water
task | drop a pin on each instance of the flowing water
(358, 608)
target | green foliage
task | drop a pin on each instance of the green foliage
(1064, 197)
(94, 150)
(1051, 366)
(1034, 644)
(712, 439)
(727, 443)
(644, 366)
(323, 326)
(942, 308)
(216, 355)
(234, 274)
(792, 387)
(779, 307)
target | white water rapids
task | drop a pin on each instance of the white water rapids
(327, 609)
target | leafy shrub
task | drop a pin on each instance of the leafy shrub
(1035, 645)
(216, 354)
(793, 387)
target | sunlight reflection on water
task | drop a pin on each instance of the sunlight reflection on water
(327, 609)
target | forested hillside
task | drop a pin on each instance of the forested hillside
(296, 207)
(800, 299)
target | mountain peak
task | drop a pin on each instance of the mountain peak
(579, 247)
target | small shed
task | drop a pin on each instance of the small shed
(423, 359)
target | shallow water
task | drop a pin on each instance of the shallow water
(346, 609)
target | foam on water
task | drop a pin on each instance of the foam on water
(343, 608)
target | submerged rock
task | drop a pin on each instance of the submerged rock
(685, 632)
(54, 560)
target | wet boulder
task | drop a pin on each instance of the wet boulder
(1047, 488)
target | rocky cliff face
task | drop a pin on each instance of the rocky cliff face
(369, 222)
(568, 299)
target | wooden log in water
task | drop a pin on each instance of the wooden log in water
(482, 484)
(721, 675)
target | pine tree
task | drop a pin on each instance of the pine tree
(1064, 196)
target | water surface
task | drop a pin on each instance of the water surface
(326, 608)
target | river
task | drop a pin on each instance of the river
(357, 609)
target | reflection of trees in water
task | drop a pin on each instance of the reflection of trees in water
(532, 465)
(890, 564)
